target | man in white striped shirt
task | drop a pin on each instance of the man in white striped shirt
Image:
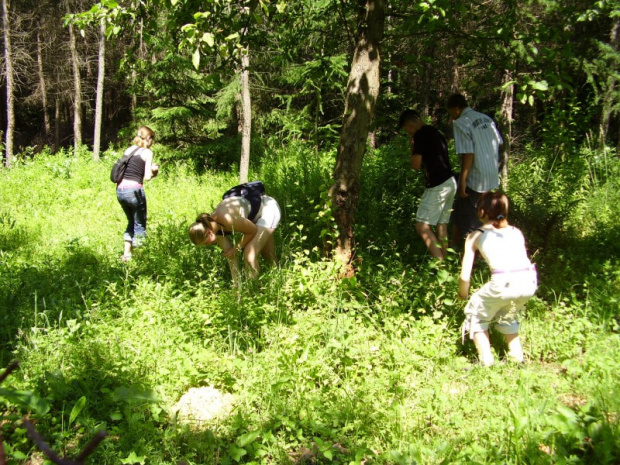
(477, 142)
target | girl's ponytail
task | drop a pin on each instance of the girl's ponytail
(495, 206)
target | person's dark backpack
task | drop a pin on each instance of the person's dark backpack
(118, 170)
(252, 191)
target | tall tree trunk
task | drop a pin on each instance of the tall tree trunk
(618, 140)
(428, 81)
(317, 115)
(99, 102)
(608, 98)
(246, 114)
(46, 115)
(77, 90)
(505, 126)
(10, 86)
(360, 101)
(372, 139)
(56, 124)
(134, 73)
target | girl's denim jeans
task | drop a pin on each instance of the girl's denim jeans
(133, 201)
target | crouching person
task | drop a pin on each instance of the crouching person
(512, 284)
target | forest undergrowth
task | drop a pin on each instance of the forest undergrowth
(353, 371)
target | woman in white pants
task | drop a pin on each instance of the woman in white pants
(513, 281)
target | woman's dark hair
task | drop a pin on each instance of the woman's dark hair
(495, 206)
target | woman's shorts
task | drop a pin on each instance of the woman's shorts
(270, 213)
(499, 301)
(436, 203)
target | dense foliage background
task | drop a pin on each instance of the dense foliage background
(542, 68)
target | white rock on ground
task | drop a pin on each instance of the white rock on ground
(202, 405)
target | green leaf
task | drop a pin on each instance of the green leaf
(236, 452)
(209, 38)
(133, 458)
(202, 15)
(246, 439)
(189, 30)
(134, 395)
(196, 58)
(27, 398)
(19, 455)
(540, 85)
(77, 408)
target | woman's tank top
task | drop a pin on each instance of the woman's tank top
(135, 168)
(504, 249)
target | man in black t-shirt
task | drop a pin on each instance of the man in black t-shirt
(429, 152)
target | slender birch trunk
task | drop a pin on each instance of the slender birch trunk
(10, 86)
(246, 115)
(77, 89)
(612, 84)
(100, 86)
(47, 127)
(56, 124)
(505, 126)
(134, 73)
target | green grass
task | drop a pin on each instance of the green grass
(364, 370)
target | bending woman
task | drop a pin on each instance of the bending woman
(130, 191)
(234, 215)
(512, 284)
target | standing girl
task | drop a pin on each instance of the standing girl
(512, 284)
(130, 190)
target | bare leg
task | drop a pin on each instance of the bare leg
(254, 247)
(483, 345)
(430, 240)
(269, 251)
(127, 251)
(442, 235)
(515, 350)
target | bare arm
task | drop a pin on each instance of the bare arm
(226, 244)
(150, 168)
(416, 161)
(466, 161)
(468, 263)
(232, 221)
